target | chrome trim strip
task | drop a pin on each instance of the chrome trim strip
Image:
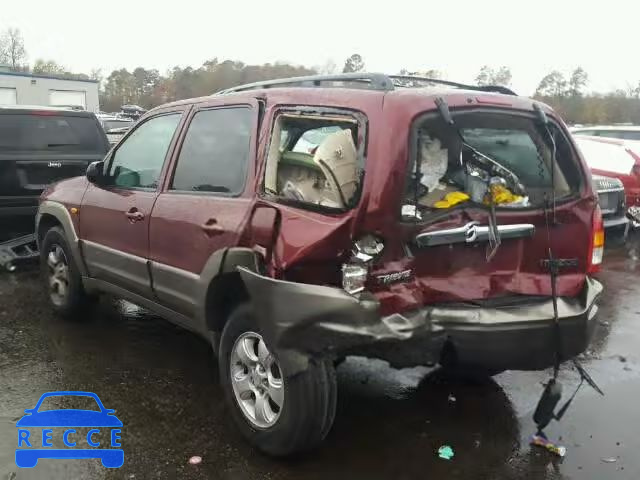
(471, 233)
(610, 190)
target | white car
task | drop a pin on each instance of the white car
(625, 132)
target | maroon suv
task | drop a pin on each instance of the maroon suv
(297, 221)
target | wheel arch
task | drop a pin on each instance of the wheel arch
(51, 214)
(222, 288)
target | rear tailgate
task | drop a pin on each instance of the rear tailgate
(39, 148)
(442, 248)
(28, 174)
(457, 269)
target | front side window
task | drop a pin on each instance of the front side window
(215, 152)
(316, 160)
(138, 160)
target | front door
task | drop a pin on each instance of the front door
(114, 218)
(206, 201)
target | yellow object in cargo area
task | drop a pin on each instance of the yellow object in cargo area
(501, 194)
(451, 199)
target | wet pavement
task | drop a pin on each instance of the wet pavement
(162, 383)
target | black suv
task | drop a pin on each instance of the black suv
(40, 145)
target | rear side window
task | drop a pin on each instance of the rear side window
(316, 161)
(138, 160)
(51, 133)
(215, 152)
(311, 139)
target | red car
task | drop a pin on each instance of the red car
(616, 158)
(297, 221)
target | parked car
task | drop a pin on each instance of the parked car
(619, 159)
(115, 127)
(624, 132)
(133, 112)
(611, 199)
(291, 227)
(40, 145)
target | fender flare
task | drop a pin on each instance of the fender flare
(62, 215)
(222, 262)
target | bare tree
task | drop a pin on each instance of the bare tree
(327, 68)
(96, 74)
(48, 67)
(552, 85)
(489, 76)
(353, 64)
(12, 48)
(577, 82)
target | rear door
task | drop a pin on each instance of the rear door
(114, 219)
(206, 200)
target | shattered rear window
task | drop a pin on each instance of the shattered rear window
(491, 158)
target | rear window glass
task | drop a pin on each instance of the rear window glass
(491, 158)
(514, 149)
(55, 133)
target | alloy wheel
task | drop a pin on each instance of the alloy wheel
(257, 380)
(58, 276)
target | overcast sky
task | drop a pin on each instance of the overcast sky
(532, 37)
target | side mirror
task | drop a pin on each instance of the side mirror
(95, 172)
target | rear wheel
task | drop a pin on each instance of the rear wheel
(278, 412)
(62, 276)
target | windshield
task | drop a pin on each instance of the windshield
(506, 159)
(55, 133)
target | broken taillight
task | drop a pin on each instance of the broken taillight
(597, 242)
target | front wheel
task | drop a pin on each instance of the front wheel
(278, 413)
(64, 282)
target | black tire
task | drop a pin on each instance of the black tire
(76, 302)
(310, 397)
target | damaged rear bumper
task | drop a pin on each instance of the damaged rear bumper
(303, 320)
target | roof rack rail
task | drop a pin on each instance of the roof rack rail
(371, 81)
(437, 81)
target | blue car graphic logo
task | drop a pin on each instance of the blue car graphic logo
(34, 443)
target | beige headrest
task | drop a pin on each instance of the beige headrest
(337, 157)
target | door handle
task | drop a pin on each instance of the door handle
(212, 228)
(134, 215)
